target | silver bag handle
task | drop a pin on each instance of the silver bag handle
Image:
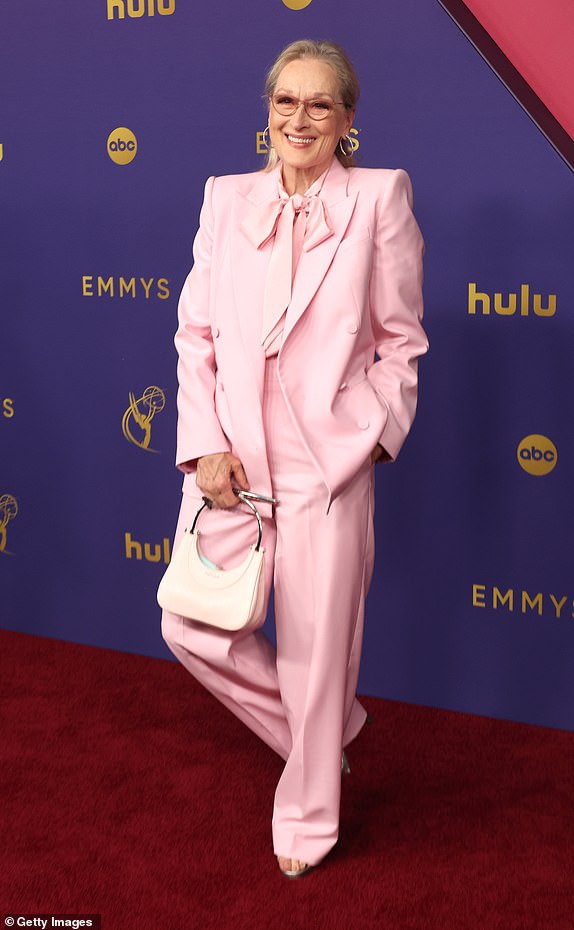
(247, 497)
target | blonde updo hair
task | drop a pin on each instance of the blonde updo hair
(333, 55)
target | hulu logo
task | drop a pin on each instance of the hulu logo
(150, 552)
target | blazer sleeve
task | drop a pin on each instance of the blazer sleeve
(198, 429)
(396, 310)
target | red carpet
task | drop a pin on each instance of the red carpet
(126, 790)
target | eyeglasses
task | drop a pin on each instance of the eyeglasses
(317, 108)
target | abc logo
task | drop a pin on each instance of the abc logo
(122, 146)
(537, 454)
(296, 4)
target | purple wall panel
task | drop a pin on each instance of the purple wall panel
(494, 201)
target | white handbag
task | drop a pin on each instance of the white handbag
(229, 599)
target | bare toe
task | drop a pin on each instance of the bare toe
(292, 867)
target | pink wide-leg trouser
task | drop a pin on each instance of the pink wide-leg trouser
(299, 698)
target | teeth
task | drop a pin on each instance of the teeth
(297, 140)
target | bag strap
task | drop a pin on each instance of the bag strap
(243, 496)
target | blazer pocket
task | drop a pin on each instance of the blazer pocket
(355, 399)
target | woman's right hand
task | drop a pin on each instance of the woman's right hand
(217, 474)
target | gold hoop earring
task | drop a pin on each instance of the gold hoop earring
(349, 142)
(265, 137)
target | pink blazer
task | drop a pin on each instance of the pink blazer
(348, 362)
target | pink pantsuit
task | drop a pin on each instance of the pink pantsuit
(303, 424)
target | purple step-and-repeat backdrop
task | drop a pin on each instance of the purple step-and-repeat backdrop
(114, 113)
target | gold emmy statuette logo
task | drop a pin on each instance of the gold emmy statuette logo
(122, 146)
(140, 413)
(537, 454)
(296, 4)
(8, 510)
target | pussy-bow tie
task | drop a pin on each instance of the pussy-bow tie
(301, 218)
(263, 222)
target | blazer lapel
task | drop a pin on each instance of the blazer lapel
(249, 264)
(315, 260)
(249, 270)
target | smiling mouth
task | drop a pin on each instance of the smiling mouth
(300, 140)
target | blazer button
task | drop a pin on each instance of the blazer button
(363, 424)
(216, 333)
(352, 328)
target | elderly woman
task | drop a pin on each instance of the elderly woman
(298, 342)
